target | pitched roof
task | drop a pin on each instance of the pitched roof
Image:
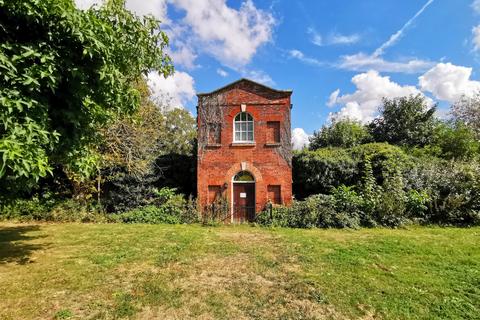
(239, 81)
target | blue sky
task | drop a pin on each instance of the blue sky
(338, 57)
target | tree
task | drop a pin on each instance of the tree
(467, 110)
(455, 140)
(65, 73)
(341, 133)
(134, 142)
(150, 149)
(404, 121)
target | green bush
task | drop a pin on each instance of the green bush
(170, 207)
(453, 188)
(315, 211)
(319, 171)
(46, 208)
(455, 141)
(417, 203)
(149, 214)
(342, 133)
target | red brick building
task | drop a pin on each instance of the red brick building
(244, 148)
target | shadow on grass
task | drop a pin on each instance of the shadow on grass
(14, 246)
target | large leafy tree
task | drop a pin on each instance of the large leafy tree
(404, 121)
(343, 133)
(150, 149)
(467, 110)
(64, 74)
(135, 142)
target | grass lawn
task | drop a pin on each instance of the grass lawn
(85, 271)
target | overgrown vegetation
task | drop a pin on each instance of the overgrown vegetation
(65, 74)
(417, 169)
(83, 140)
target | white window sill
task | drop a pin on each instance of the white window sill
(243, 144)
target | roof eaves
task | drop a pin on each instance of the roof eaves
(238, 81)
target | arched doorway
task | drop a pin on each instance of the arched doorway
(243, 198)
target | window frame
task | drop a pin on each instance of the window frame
(246, 122)
(217, 128)
(277, 135)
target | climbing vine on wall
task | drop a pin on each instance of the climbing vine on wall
(285, 148)
(210, 113)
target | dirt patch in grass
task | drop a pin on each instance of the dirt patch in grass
(229, 288)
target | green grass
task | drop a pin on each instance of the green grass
(118, 271)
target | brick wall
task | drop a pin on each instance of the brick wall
(218, 163)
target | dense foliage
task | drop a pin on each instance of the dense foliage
(150, 149)
(404, 121)
(65, 74)
(341, 133)
(390, 188)
(421, 169)
(82, 140)
(467, 111)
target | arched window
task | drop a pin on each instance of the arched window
(243, 176)
(243, 127)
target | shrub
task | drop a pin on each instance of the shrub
(382, 157)
(348, 205)
(343, 133)
(24, 209)
(123, 192)
(315, 211)
(453, 188)
(46, 208)
(149, 214)
(321, 170)
(417, 203)
(455, 141)
(169, 207)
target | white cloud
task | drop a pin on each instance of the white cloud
(371, 87)
(476, 6)
(299, 139)
(157, 8)
(258, 76)
(174, 91)
(315, 37)
(333, 98)
(231, 36)
(183, 55)
(364, 62)
(297, 54)
(334, 38)
(476, 37)
(337, 38)
(394, 38)
(222, 72)
(449, 82)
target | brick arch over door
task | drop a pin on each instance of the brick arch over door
(260, 191)
(237, 167)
